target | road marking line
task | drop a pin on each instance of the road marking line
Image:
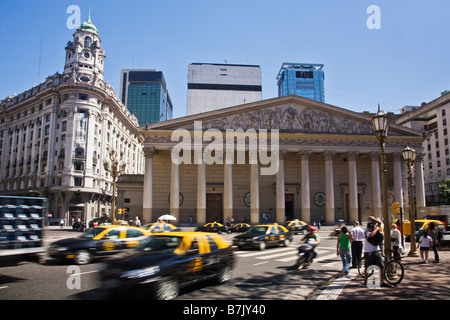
(257, 264)
(82, 273)
(245, 254)
(320, 258)
(4, 287)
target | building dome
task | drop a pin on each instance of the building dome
(88, 26)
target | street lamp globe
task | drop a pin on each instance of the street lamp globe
(409, 154)
(380, 123)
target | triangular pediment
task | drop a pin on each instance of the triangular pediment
(291, 114)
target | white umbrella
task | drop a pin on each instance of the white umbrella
(167, 217)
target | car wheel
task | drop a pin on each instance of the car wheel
(286, 242)
(262, 246)
(166, 289)
(224, 274)
(83, 257)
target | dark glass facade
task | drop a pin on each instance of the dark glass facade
(306, 80)
(145, 95)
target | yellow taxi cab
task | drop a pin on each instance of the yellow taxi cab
(166, 262)
(263, 235)
(213, 227)
(160, 227)
(420, 225)
(100, 241)
(297, 226)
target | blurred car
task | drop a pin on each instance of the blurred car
(160, 227)
(420, 225)
(297, 226)
(262, 236)
(166, 262)
(213, 227)
(240, 227)
(100, 241)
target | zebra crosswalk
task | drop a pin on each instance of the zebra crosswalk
(327, 256)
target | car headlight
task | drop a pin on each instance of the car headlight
(140, 273)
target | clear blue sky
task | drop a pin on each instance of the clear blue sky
(406, 62)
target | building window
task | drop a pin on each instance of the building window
(78, 182)
(83, 96)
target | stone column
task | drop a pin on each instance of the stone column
(420, 184)
(352, 186)
(329, 188)
(147, 205)
(254, 192)
(306, 197)
(175, 191)
(376, 188)
(398, 183)
(201, 193)
(280, 198)
(227, 187)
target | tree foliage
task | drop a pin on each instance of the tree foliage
(444, 191)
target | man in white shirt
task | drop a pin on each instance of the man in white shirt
(357, 243)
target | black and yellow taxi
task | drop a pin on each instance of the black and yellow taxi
(262, 236)
(296, 226)
(420, 226)
(160, 227)
(240, 227)
(100, 241)
(213, 227)
(166, 262)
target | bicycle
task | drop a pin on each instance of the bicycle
(393, 269)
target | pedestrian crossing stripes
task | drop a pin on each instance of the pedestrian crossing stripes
(289, 254)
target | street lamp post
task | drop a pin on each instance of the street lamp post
(380, 127)
(115, 164)
(409, 154)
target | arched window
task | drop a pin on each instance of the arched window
(87, 42)
(79, 153)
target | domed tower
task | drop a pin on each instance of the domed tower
(84, 57)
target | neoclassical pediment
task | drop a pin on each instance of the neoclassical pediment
(291, 114)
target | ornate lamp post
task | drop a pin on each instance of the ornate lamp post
(409, 154)
(380, 127)
(114, 164)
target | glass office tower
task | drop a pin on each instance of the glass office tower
(144, 93)
(303, 79)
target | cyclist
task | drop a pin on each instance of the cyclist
(372, 254)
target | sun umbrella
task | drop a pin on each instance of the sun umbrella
(167, 217)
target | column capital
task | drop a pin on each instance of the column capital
(149, 152)
(352, 155)
(329, 155)
(304, 154)
(375, 156)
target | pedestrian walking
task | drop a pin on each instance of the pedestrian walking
(357, 244)
(61, 223)
(395, 241)
(425, 243)
(343, 249)
(434, 234)
(137, 222)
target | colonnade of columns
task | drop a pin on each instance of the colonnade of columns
(303, 157)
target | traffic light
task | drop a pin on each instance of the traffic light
(119, 211)
(395, 207)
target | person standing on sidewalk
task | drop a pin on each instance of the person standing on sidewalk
(343, 249)
(434, 234)
(425, 242)
(395, 241)
(357, 243)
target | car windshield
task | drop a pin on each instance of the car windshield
(160, 243)
(257, 229)
(92, 233)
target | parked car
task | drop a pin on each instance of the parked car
(213, 227)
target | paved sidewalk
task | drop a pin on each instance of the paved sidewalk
(429, 281)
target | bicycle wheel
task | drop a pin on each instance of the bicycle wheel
(394, 272)
(361, 264)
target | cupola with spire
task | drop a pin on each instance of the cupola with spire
(84, 57)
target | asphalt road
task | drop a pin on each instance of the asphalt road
(258, 275)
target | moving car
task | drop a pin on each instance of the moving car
(240, 227)
(213, 227)
(166, 262)
(297, 226)
(420, 225)
(262, 236)
(100, 241)
(160, 227)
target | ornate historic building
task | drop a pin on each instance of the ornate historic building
(326, 162)
(54, 137)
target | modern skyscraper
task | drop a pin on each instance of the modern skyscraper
(145, 94)
(215, 86)
(302, 79)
